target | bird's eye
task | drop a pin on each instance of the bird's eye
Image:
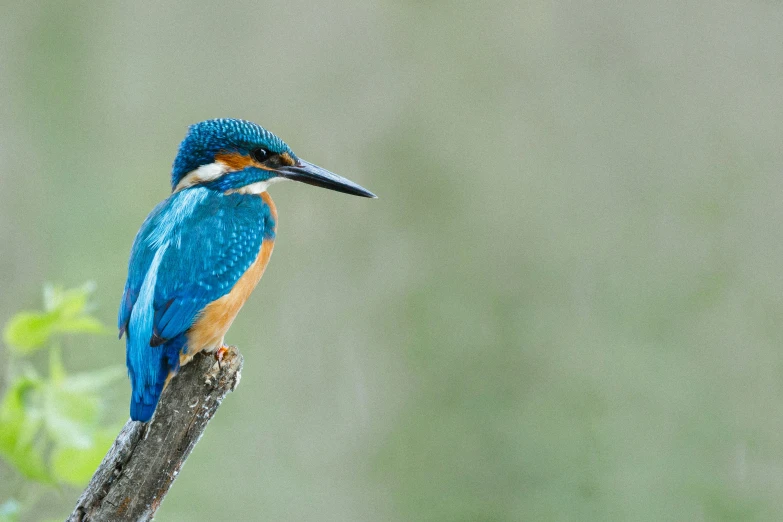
(259, 154)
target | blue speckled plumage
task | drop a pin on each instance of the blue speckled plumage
(195, 246)
(206, 249)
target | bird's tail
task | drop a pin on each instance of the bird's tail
(148, 385)
(146, 392)
(142, 407)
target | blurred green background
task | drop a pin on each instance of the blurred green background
(565, 304)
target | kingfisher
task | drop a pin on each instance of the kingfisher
(200, 252)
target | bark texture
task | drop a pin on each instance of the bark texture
(144, 460)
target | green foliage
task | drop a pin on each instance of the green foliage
(65, 311)
(50, 425)
(18, 427)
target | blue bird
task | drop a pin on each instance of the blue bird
(201, 252)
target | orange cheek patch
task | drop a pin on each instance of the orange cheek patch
(234, 160)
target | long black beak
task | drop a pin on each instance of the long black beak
(314, 175)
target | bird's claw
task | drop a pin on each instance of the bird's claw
(216, 368)
(220, 354)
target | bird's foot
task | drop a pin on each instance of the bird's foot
(219, 354)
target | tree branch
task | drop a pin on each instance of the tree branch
(143, 462)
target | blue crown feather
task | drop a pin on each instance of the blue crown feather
(205, 139)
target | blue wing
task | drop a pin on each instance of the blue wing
(140, 259)
(190, 251)
(221, 242)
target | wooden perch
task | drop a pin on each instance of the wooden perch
(143, 462)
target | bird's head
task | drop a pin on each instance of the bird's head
(240, 156)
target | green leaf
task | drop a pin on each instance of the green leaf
(75, 466)
(15, 405)
(62, 413)
(66, 312)
(19, 425)
(9, 511)
(83, 324)
(56, 368)
(68, 303)
(95, 381)
(71, 308)
(26, 332)
(71, 418)
(72, 404)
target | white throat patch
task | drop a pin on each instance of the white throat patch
(209, 172)
(255, 188)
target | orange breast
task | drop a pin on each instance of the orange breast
(214, 321)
